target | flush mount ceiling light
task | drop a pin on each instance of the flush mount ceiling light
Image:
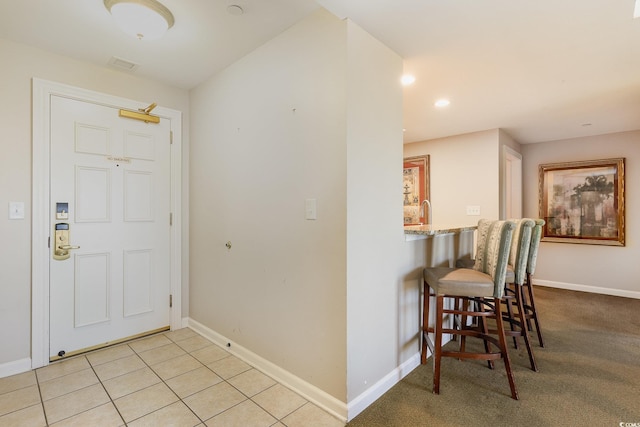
(144, 19)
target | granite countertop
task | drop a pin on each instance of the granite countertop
(435, 229)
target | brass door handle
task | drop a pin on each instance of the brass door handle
(67, 247)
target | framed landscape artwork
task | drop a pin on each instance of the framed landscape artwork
(415, 186)
(583, 202)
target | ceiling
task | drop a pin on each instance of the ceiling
(541, 70)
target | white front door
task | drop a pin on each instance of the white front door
(110, 181)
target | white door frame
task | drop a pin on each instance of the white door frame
(511, 205)
(40, 227)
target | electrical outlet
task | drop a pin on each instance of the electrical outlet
(473, 210)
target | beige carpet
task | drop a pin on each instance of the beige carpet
(589, 374)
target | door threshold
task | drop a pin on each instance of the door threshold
(107, 344)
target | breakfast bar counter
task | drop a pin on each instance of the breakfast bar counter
(424, 231)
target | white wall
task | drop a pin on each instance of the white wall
(465, 170)
(304, 117)
(269, 132)
(375, 237)
(593, 268)
(20, 64)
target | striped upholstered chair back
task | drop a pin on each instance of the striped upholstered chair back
(492, 251)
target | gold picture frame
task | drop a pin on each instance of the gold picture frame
(583, 202)
(415, 185)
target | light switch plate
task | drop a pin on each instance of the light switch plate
(473, 210)
(16, 210)
(310, 211)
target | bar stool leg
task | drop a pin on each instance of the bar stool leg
(437, 357)
(425, 322)
(503, 349)
(524, 330)
(534, 311)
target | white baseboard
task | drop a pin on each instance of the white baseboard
(310, 392)
(185, 322)
(374, 392)
(587, 288)
(15, 367)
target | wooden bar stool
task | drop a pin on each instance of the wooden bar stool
(528, 298)
(516, 275)
(520, 305)
(483, 285)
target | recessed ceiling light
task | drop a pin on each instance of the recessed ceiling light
(636, 10)
(407, 79)
(441, 103)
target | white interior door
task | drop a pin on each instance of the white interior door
(512, 183)
(110, 181)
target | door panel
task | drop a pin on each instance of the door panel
(93, 194)
(114, 174)
(138, 281)
(91, 289)
(138, 192)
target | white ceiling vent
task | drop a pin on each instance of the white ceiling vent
(123, 64)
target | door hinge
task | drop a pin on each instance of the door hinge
(170, 301)
(170, 218)
(170, 137)
(49, 242)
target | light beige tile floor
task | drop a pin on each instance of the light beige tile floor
(171, 379)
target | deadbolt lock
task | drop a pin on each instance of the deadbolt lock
(61, 242)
